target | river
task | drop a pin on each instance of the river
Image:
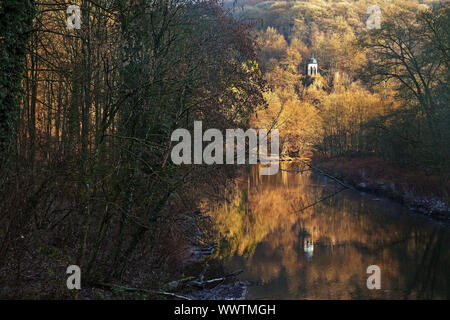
(323, 251)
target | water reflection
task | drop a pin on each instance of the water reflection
(323, 252)
(308, 247)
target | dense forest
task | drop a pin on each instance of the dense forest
(382, 92)
(86, 117)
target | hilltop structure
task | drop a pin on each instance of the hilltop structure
(312, 67)
(313, 78)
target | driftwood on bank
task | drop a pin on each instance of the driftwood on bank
(180, 283)
(213, 282)
(110, 286)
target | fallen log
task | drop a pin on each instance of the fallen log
(110, 286)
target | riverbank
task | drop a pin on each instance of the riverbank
(419, 191)
(179, 270)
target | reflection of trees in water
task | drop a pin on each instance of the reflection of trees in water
(348, 234)
(431, 273)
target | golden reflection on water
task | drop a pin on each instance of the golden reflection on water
(323, 252)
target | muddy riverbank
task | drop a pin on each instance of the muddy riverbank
(418, 191)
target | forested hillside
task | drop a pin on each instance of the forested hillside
(380, 91)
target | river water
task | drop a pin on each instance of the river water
(323, 251)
